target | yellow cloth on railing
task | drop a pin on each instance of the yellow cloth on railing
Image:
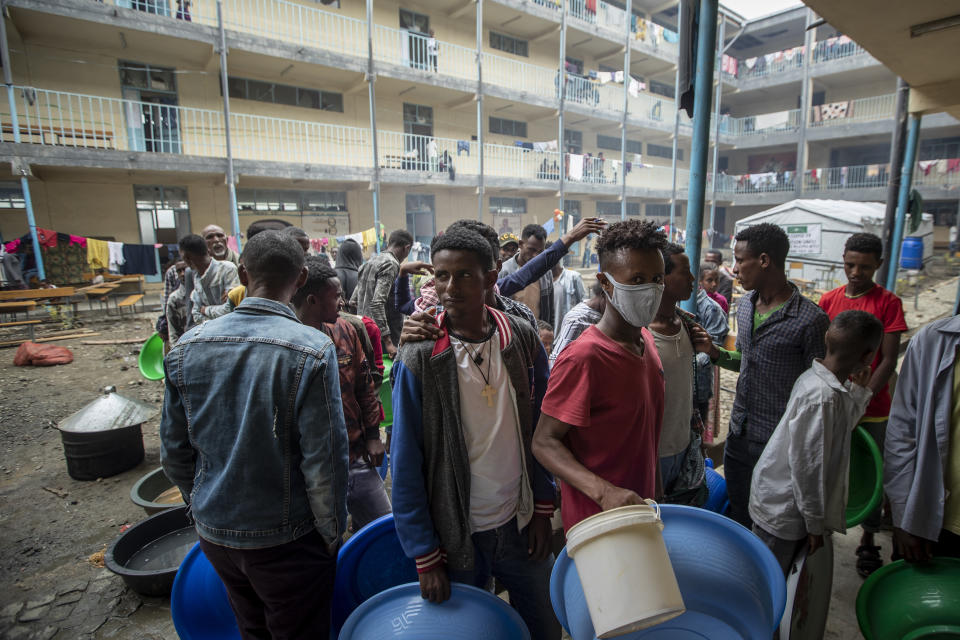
(98, 254)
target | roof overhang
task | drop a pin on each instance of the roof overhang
(919, 40)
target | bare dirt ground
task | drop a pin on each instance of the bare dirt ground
(51, 524)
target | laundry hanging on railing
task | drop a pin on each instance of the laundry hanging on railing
(771, 120)
(463, 146)
(549, 145)
(728, 65)
(832, 111)
(575, 169)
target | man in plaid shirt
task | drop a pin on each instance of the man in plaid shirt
(779, 334)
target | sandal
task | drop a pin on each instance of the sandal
(868, 560)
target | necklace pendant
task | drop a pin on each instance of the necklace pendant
(478, 359)
(488, 393)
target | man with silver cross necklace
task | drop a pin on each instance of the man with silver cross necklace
(469, 500)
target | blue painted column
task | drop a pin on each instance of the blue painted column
(15, 124)
(703, 87)
(906, 183)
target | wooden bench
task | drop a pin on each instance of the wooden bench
(29, 324)
(130, 302)
(13, 308)
(57, 296)
(58, 134)
(98, 292)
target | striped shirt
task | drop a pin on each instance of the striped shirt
(577, 320)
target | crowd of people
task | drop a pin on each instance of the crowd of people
(515, 397)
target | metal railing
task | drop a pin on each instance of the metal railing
(836, 49)
(858, 110)
(763, 182)
(425, 154)
(516, 162)
(853, 177)
(64, 119)
(762, 124)
(519, 76)
(770, 64)
(656, 177)
(615, 19)
(285, 140)
(290, 22)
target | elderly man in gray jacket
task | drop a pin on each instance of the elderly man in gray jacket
(921, 464)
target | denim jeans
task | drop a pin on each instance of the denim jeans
(366, 497)
(878, 430)
(502, 553)
(739, 458)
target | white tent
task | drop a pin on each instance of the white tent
(818, 230)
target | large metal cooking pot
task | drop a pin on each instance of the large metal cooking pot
(104, 438)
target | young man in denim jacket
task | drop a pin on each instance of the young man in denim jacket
(470, 501)
(253, 435)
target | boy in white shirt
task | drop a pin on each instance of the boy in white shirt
(799, 487)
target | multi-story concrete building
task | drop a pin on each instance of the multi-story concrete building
(121, 118)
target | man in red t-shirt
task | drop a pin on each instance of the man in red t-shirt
(862, 256)
(599, 429)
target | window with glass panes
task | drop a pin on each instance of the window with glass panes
(11, 196)
(246, 89)
(613, 143)
(505, 206)
(291, 201)
(661, 151)
(611, 208)
(506, 127)
(502, 42)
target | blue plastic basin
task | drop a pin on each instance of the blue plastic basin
(716, 490)
(400, 613)
(731, 584)
(370, 562)
(199, 604)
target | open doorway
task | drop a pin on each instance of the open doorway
(152, 114)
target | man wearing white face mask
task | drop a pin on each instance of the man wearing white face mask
(599, 428)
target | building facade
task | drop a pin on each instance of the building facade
(121, 126)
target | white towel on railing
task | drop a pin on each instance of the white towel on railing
(771, 120)
(576, 167)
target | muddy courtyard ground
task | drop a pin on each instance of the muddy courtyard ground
(50, 524)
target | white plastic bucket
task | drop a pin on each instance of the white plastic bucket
(624, 569)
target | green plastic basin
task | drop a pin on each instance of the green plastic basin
(903, 601)
(150, 360)
(385, 394)
(865, 488)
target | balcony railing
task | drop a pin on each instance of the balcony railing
(63, 119)
(764, 182)
(859, 110)
(943, 174)
(770, 64)
(615, 19)
(519, 76)
(836, 49)
(763, 124)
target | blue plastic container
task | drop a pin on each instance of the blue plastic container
(370, 562)
(400, 613)
(731, 584)
(911, 253)
(716, 490)
(199, 604)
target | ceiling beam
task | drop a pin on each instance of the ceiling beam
(358, 86)
(461, 102)
(616, 51)
(582, 42)
(935, 97)
(546, 34)
(461, 10)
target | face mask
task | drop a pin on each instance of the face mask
(636, 303)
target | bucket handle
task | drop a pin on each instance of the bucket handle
(654, 504)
